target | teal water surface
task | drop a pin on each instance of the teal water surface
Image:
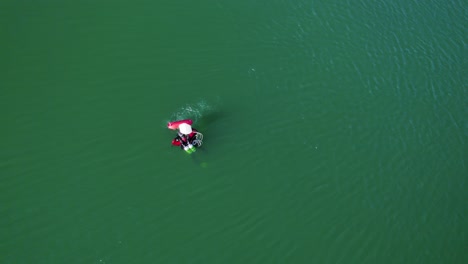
(334, 132)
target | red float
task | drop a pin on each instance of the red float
(174, 125)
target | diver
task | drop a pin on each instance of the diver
(186, 138)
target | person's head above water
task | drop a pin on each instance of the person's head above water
(185, 129)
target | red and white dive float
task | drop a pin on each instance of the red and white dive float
(174, 125)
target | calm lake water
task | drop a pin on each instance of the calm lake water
(334, 132)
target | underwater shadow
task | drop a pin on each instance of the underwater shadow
(208, 120)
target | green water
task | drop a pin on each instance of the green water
(334, 132)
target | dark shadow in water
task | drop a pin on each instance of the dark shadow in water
(207, 121)
(206, 125)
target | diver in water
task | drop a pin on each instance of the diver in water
(186, 137)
